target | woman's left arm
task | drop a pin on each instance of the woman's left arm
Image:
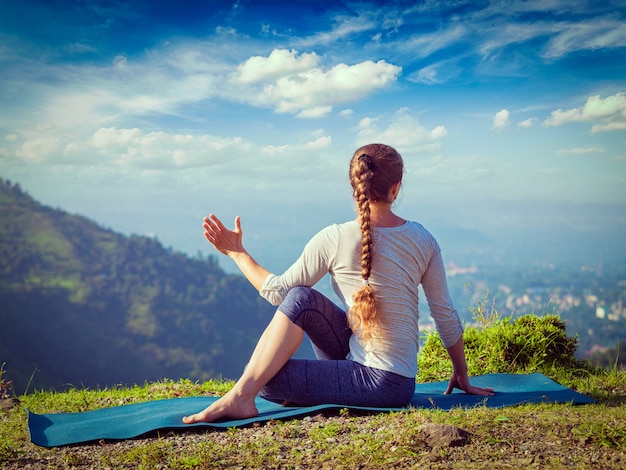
(449, 325)
(459, 378)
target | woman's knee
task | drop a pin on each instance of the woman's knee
(297, 299)
(298, 293)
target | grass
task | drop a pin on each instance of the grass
(554, 435)
(535, 435)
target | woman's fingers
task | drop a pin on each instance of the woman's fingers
(221, 237)
(481, 391)
(217, 222)
(212, 230)
(465, 385)
(452, 384)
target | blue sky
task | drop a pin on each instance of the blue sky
(147, 115)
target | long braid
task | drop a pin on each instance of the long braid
(366, 229)
(374, 169)
(363, 312)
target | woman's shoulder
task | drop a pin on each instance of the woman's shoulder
(336, 231)
(417, 230)
(410, 226)
(349, 226)
(416, 226)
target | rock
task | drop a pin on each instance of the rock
(443, 435)
(8, 403)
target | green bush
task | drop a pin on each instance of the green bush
(526, 344)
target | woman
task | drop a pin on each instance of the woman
(367, 356)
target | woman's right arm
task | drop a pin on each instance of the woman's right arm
(229, 242)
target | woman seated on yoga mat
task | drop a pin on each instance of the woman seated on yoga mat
(367, 351)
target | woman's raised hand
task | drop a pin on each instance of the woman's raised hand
(229, 242)
(224, 240)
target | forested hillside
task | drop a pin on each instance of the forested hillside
(83, 305)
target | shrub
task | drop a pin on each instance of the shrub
(526, 344)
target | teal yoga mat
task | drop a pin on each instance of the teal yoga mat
(128, 421)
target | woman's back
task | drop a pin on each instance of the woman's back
(404, 257)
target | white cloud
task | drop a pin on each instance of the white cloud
(587, 35)
(610, 111)
(611, 126)
(548, 173)
(34, 151)
(134, 149)
(318, 111)
(580, 151)
(319, 143)
(504, 36)
(423, 45)
(530, 122)
(501, 119)
(439, 72)
(45, 127)
(501, 26)
(595, 107)
(111, 137)
(87, 96)
(344, 26)
(453, 170)
(279, 63)
(225, 31)
(70, 109)
(171, 77)
(402, 131)
(312, 92)
(427, 76)
(78, 48)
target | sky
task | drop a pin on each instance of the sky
(145, 116)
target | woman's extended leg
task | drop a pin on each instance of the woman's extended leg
(277, 344)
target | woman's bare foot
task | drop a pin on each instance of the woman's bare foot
(227, 407)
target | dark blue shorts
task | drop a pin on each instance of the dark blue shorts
(331, 378)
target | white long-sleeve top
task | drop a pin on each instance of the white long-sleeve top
(404, 257)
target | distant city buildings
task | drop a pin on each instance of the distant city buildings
(453, 270)
(592, 301)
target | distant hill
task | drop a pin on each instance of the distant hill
(83, 305)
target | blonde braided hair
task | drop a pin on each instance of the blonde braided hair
(374, 169)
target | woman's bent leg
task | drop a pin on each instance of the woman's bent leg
(277, 344)
(325, 323)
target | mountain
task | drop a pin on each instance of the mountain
(83, 305)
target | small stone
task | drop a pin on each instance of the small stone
(8, 403)
(443, 435)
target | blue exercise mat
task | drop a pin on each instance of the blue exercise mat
(128, 421)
